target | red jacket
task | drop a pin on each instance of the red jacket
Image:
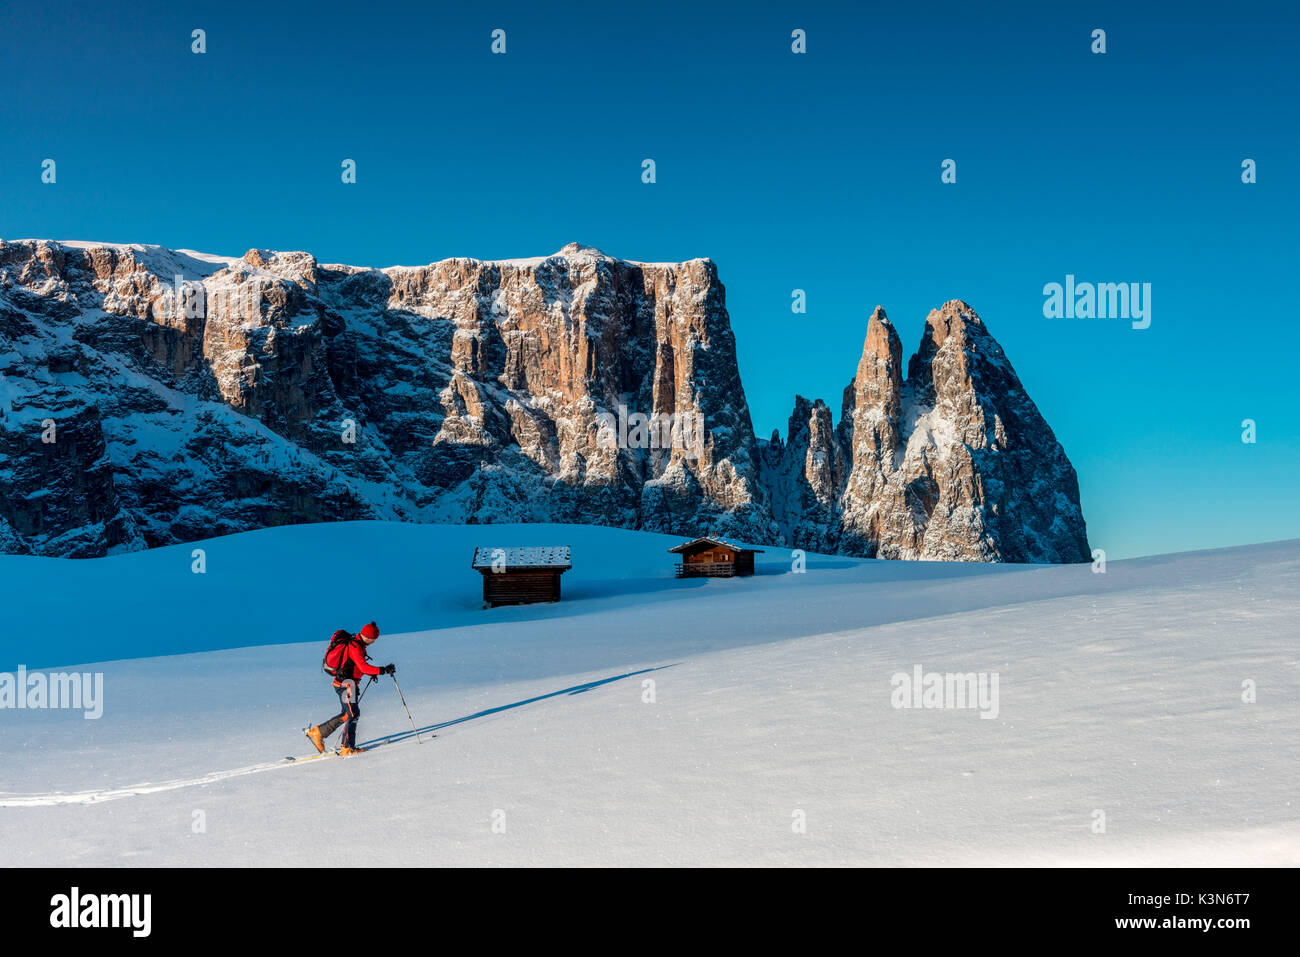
(356, 654)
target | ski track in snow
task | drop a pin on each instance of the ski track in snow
(113, 794)
(101, 795)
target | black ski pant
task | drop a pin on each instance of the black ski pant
(351, 710)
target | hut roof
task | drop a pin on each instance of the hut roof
(693, 543)
(536, 556)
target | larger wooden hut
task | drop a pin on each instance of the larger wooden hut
(714, 558)
(521, 576)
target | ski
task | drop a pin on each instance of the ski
(327, 753)
(334, 752)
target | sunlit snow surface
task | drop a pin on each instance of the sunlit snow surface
(1118, 693)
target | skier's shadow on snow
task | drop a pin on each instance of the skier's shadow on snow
(576, 689)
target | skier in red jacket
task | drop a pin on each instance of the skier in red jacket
(350, 666)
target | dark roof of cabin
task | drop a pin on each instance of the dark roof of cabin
(537, 556)
(700, 542)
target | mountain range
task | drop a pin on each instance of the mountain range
(151, 396)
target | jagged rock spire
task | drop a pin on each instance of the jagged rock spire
(954, 462)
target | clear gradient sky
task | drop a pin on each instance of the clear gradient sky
(818, 171)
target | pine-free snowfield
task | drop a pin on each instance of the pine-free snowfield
(771, 736)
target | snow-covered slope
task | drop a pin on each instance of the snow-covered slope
(1118, 693)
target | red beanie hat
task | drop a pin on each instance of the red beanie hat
(370, 632)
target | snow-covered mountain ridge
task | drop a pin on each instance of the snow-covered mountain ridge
(151, 396)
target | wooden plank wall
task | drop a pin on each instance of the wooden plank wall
(520, 587)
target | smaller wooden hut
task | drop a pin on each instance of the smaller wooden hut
(714, 558)
(521, 576)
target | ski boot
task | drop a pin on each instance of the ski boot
(314, 736)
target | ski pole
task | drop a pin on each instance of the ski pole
(365, 689)
(408, 710)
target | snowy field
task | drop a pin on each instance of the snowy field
(772, 736)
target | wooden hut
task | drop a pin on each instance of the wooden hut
(714, 558)
(521, 576)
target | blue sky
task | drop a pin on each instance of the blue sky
(819, 172)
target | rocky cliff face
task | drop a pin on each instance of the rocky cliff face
(193, 396)
(953, 462)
